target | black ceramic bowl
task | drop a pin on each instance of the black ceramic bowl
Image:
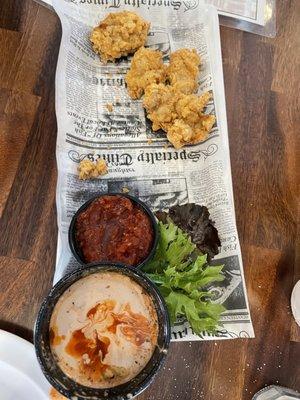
(69, 387)
(76, 251)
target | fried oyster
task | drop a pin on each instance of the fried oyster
(55, 395)
(88, 169)
(179, 115)
(147, 67)
(182, 72)
(119, 34)
(159, 102)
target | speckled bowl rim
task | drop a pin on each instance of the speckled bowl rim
(71, 234)
(74, 390)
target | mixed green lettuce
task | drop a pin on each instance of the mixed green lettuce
(194, 220)
(183, 276)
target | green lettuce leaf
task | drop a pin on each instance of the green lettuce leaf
(194, 220)
(174, 248)
(183, 277)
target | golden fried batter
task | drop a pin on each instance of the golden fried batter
(181, 133)
(189, 107)
(179, 115)
(119, 34)
(159, 102)
(54, 395)
(146, 67)
(88, 169)
(183, 70)
(109, 107)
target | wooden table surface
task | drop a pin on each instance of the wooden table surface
(262, 95)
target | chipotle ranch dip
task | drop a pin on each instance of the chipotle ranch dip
(103, 330)
(116, 229)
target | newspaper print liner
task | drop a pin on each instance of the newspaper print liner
(160, 176)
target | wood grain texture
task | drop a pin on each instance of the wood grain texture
(262, 95)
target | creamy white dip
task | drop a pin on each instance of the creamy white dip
(103, 330)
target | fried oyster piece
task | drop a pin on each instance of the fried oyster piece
(182, 72)
(119, 34)
(88, 169)
(189, 109)
(179, 115)
(55, 395)
(181, 133)
(159, 102)
(147, 67)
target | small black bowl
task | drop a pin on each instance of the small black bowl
(76, 251)
(69, 387)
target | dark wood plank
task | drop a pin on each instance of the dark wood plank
(10, 16)
(17, 113)
(19, 303)
(262, 96)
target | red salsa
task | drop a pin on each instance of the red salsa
(113, 228)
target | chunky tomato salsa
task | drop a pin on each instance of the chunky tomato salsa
(114, 228)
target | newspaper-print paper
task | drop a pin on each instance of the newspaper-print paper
(245, 10)
(138, 159)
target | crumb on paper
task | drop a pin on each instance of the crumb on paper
(180, 115)
(146, 67)
(119, 34)
(125, 190)
(55, 395)
(110, 107)
(88, 169)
